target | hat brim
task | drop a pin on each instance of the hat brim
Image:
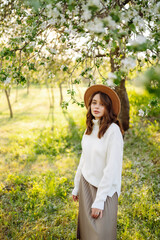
(116, 104)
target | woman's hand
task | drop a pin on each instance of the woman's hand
(96, 213)
(75, 198)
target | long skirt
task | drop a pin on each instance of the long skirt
(90, 228)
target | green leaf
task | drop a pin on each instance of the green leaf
(71, 7)
(77, 81)
(31, 66)
(115, 16)
(65, 68)
(19, 21)
(64, 104)
(93, 8)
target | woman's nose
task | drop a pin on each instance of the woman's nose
(97, 106)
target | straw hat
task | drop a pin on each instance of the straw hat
(111, 93)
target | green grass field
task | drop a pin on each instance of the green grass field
(39, 153)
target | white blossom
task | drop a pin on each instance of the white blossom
(139, 40)
(86, 14)
(5, 2)
(58, 5)
(76, 13)
(56, 12)
(128, 63)
(94, 2)
(112, 75)
(52, 21)
(141, 113)
(62, 67)
(62, 18)
(124, 17)
(32, 44)
(96, 26)
(7, 81)
(138, 21)
(53, 13)
(157, 8)
(132, 13)
(52, 50)
(70, 30)
(111, 22)
(49, 6)
(43, 25)
(110, 83)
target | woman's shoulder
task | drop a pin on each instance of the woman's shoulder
(84, 134)
(114, 129)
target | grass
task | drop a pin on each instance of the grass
(38, 163)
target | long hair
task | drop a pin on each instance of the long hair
(106, 120)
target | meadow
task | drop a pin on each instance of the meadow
(39, 153)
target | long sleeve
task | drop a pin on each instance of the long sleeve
(112, 172)
(78, 176)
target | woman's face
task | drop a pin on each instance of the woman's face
(97, 107)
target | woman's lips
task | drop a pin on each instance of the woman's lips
(96, 112)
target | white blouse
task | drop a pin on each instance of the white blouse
(101, 163)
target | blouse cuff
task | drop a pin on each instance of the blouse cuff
(98, 204)
(75, 191)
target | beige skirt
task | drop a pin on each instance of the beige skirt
(96, 229)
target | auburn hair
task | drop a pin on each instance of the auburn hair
(106, 120)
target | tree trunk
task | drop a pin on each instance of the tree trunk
(61, 93)
(52, 107)
(121, 90)
(124, 114)
(9, 103)
(28, 85)
(16, 98)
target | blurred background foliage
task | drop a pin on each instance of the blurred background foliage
(39, 157)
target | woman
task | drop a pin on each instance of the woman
(98, 177)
